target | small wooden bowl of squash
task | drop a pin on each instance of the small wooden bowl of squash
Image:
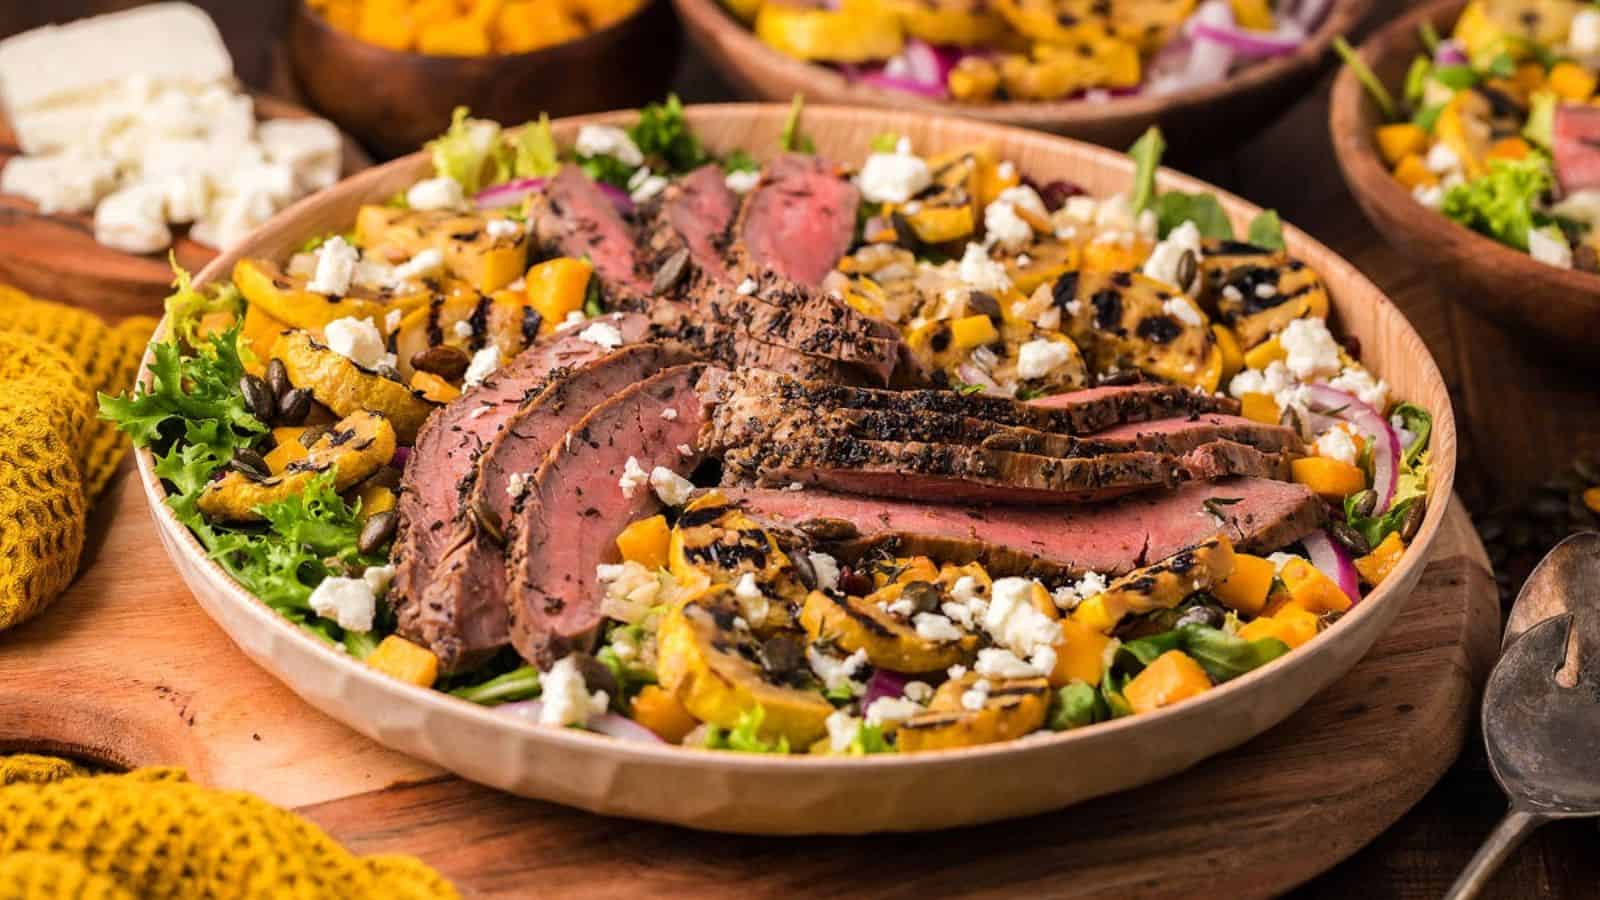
(1195, 120)
(394, 100)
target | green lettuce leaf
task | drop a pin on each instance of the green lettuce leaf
(518, 684)
(469, 152)
(663, 133)
(199, 390)
(745, 735)
(1419, 422)
(740, 161)
(187, 305)
(1074, 706)
(1266, 230)
(1501, 204)
(1146, 153)
(1175, 207)
(1225, 656)
(533, 151)
(791, 139)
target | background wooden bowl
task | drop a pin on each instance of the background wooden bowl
(394, 101)
(1556, 309)
(1193, 120)
(759, 794)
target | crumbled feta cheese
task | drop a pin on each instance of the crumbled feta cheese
(602, 334)
(751, 599)
(672, 489)
(1583, 37)
(837, 673)
(842, 730)
(517, 484)
(503, 228)
(980, 272)
(1002, 226)
(746, 287)
(1012, 620)
(463, 328)
(1079, 208)
(1429, 195)
(574, 317)
(1442, 159)
(934, 627)
(1360, 384)
(133, 219)
(1182, 309)
(1550, 247)
(566, 699)
(1167, 256)
(977, 695)
(903, 608)
(1311, 349)
(1090, 584)
(336, 267)
(742, 182)
(998, 662)
(1050, 319)
(919, 691)
(443, 192)
(633, 477)
(827, 570)
(891, 710)
(1038, 358)
(378, 579)
(1006, 171)
(357, 340)
(1336, 444)
(956, 671)
(630, 591)
(425, 263)
(643, 185)
(483, 364)
(1065, 598)
(608, 140)
(61, 182)
(893, 177)
(371, 274)
(348, 601)
(965, 589)
(1115, 213)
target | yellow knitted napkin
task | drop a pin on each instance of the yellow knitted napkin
(153, 834)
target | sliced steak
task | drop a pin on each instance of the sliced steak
(471, 574)
(1161, 436)
(573, 217)
(799, 221)
(1083, 412)
(956, 473)
(818, 326)
(696, 216)
(732, 345)
(1048, 542)
(440, 470)
(568, 520)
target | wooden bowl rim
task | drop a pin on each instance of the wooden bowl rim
(1342, 279)
(1343, 16)
(1351, 119)
(552, 53)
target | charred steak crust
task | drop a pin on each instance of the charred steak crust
(574, 508)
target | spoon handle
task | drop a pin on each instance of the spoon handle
(1513, 829)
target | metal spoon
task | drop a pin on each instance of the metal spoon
(1541, 707)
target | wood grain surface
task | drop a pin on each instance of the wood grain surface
(169, 687)
(1521, 417)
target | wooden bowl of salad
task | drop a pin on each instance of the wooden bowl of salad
(1218, 88)
(1469, 181)
(1039, 710)
(394, 99)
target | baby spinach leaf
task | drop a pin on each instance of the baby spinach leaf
(1266, 230)
(1146, 153)
(1175, 207)
(1225, 656)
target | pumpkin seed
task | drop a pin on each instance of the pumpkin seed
(596, 675)
(1349, 538)
(312, 434)
(671, 272)
(489, 521)
(783, 655)
(377, 532)
(1188, 267)
(250, 464)
(258, 398)
(924, 597)
(449, 363)
(1366, 501)
(803, 569)
(854, 583)
(294, 406)
(278, 378)
(1412, 521)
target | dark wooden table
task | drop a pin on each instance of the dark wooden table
(1520, 419)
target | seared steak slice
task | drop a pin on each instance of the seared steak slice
(471, 575)
(440, 469)
(732, 345)
(957, 473)
(1048, 542)
(696, 216)
(799, 221)
(568, 520)
(1161, 436)
(1082, 412)
(573, 217)
(818, 326)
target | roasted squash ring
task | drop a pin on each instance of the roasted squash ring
(715, 542)
(356, 447)
(1269, 290)
(346, 388)
(865, 623)
(1121, 320)
(1159, 586)
(707, 661)
(285, 298)
(1012, 707)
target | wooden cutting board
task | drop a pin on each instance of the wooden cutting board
(57, 256)
(126, 668)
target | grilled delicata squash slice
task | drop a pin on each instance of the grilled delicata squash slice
(356, 447)
(859, 31)
(1147, 24)
(506, 319)
(347, 388)
(1269, 290)
(1160, 586)
(950, 23)
(715, 542)
(285, 298)
(720, 670)
(487, 261)
(891, 641)
(1007, 708)
(1125, 320)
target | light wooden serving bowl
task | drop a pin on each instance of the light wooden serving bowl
(1194, 120)
(1550, 308)
(761, 794)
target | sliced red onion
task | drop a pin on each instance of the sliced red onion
(509, 194)
(904, 85)
(920, 68)
(609, 724)
(1333, 406)
(1450, 53)
(1249, 44)
(619, 197)
(1191, 62)
(884, 683)
(1332, 561)
(402, 455)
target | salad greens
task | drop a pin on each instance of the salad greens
(1266, 230)
(1502, 204)
(663, 133)
(745, 735)
(521, 683)
(1146, 153)
(791, 140)
(1173, 208)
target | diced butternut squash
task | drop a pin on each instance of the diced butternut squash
(461, 37)
(1232, 356)
(1255, 14)
(1246, 590)
(287, 450)
(433, 388)
(1509, 148)
(215, 322)
(1312, 590)
(1591, 499)
(557, 287)
(1571, 81)
(661, 712)
(375, 498)
(1173, 677)
(1080, 655)
(1398, 141)
(1112, 256)
(259, 332)
(1376, 566)
(387, 23)
(645, 542)
(973, 331)
(1331, 479)
(401, 659)
(1260, 407)
(1265, 354)
(1292, 625)
(1413, 172)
